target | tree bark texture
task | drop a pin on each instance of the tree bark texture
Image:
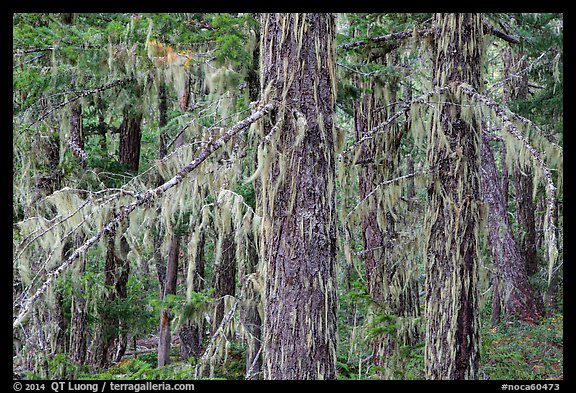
(299, 216)
(130, 136)
(519, 300)
(452, 319)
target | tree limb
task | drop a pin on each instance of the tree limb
(141, 199)
(78, 96)
(370, 133)
(388, 37)
(550, 231)
(421, 33)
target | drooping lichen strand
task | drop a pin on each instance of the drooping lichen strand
(452, 320)
(298, 227)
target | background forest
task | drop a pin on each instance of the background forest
(288, 196)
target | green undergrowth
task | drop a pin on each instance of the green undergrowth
(515, 350)
(144, 367)
(512, 350)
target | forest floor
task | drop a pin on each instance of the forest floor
(510, 351)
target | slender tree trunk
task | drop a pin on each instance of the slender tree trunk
(78, 331)
(102, 127)
(162, 119)
(191, 334)
(165, 337)
(114, 330)
(76, 141)
(520, 301)
(130, 136)
(372, 235)
(516, 88)
(224, 280)
(250, 316)
(452, 319)
(299, 215)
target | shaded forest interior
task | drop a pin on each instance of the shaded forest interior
(288, 196)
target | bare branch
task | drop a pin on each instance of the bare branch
(388, 37)
(141, 199)
(421, 33)
(500, 34)
(369, 134)
(550, 233)
(78, 96)
(387, 182)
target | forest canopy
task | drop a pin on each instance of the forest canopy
(287, 196)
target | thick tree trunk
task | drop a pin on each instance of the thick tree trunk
(520, 301)
(299, 215)
(452, 319)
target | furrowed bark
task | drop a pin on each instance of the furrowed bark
(520, 301)
(299, 217)
(452, 320)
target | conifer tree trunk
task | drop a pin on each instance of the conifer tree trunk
(372, 235)
(78, 333)
(171, 272)
(516, 88)
(130, 136)
(299, 216)
(77, 133)
(513, 279)
(224, 282)
(390, 274)
(191, 333)
(164, 336)
(452, 320)
(113, 329)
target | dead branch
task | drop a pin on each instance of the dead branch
(141, 199)
(388, 37)
(550, 233)
(85, 93)
(370, 133)
(422, 33)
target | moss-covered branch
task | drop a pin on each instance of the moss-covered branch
(141, 199)
(510, 127)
